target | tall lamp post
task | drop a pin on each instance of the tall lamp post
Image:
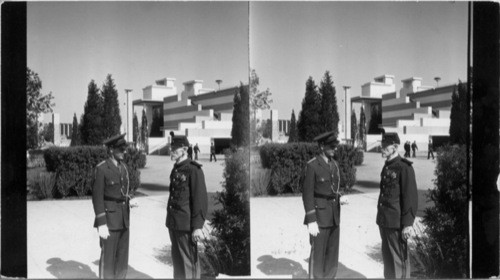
(128, 130)
(346, 88)
(218, 82)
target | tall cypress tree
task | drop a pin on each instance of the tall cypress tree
(111, 118)
(75, 136)
(135, 129)
(144, 131)
(375, 120)
(293, 135)
(362, 128)
(240, 132)
(354, 126)
(329, 112)
(309, 124)
(91, 129)
(458, 114)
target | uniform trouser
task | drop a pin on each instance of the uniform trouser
(114, 255)
(324, 259)
(429, 153)
(184, 255)
(196, 156)
(394, 254)
(212, 154)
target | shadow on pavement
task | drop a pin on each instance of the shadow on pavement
(375, 252)
(132, 273)
(368, 184)
(164, 255)
(70, 269)
(282, 266)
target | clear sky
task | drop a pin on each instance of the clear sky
(355, 41)
(71, 43)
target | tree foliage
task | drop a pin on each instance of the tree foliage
(354, 126)
(36, 104)
(362, 128)
(375, 120)
(144, 133)
(309, 123)
(259, 100)
(75, 135)
(92, 123)
(293, 135)
(329, 112)
(240, 132)
(135, 129)
(111, 119)
(458, 114)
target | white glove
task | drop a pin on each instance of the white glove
(133, 203)
(103, 231)
(313, 228)
(406, 233)
(344, 200)
(197, 235)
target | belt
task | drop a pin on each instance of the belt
(327, 197)
(118, 200)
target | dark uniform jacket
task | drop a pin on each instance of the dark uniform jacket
(398, 200)
(109, 192)
(320, 193)
(187, 204)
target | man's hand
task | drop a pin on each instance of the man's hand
(133, 203)
(344, 200)
(103, 231)
(406, 233)
(313, 229)
(197, 235)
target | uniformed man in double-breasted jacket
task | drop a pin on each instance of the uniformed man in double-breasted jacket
(397, 208)
(186, 210)
(111, 201)
(321, 199)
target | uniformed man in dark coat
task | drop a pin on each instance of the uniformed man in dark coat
(321, 199)
(397, 208)
(186, 210)
(111, 201)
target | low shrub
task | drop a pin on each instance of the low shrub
(35, 159)
(75, 168)
(359, 156)
(447, 221)
(287, 163)
(260, 179)
(231, 223)
(42, 184)
(210, 257)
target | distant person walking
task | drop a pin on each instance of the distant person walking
(407, 149)
(414, 148)
(190, 152)
(212, 152)
(430, 150)
(397, 208)
(196, 151)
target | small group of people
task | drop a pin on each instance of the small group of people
(410, 147)
(396, 208)
(186, 210)
(196, 150)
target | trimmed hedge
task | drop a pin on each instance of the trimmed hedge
(35, 159)
(287, 163)
(75, 168)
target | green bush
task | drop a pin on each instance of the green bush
(35, 159)
(260, 179)
(359, 156)
(75, 168)
(231, 223)
(287, 163)
(447, 221)
(41, 184)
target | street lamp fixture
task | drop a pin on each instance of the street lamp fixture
(218, 82)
